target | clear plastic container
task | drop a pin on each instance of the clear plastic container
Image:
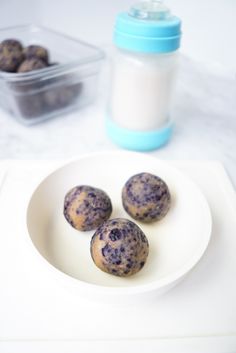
(42, 94)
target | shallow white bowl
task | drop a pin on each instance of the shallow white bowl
(176, 243)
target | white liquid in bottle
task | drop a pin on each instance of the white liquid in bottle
(141, 89)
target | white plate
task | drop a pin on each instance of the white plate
(176, 243)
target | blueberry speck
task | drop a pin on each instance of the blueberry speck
(91, 194)
(142, 264)
(106, 250)
(115, 234)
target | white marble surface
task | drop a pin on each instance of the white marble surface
(204, 109)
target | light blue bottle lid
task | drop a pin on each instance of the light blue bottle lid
(149, 27)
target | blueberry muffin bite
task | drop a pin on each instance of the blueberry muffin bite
(10, 55)
(146, 197)
(31, 65)
(61, 96)
(119, 247)
(36, 51)
(11, 45)
(86, 207)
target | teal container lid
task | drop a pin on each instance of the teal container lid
(148, 27)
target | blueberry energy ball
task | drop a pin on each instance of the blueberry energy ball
(146, 197)
(12, 44)
(31, 64)
(36, 51)
(119, 247)
(86, 207)
(62, 96)
(10, 55)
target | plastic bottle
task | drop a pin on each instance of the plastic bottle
(147, 39)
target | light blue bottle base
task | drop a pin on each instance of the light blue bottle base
(138, 140)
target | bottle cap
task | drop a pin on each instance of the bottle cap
(148, 27)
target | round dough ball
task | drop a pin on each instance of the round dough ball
(10, 55)
(146, 197)
(36, 51)
(63, 96)
(32, 107)
(119, 247)
(11, 45)
(86, 207)
(31, 64)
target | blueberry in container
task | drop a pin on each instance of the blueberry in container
(69, 82)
